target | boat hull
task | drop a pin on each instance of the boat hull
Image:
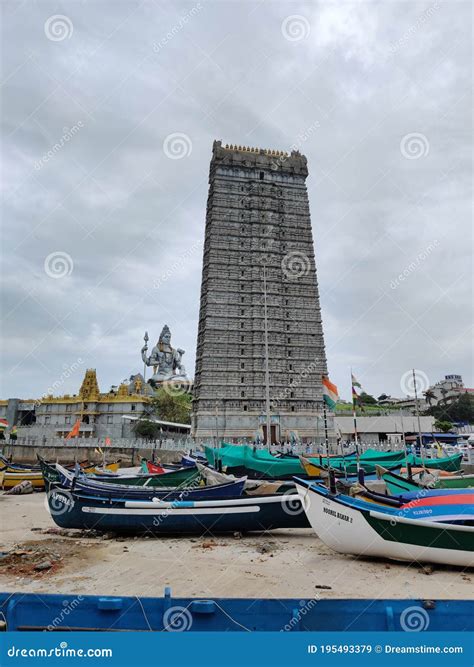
(397, 484)
(40, 612)
(72, 510)
(374, 533)
(8, 480)
(167, 479)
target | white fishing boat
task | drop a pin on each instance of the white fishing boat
(353, 526)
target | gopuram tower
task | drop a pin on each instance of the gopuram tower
(258, 248)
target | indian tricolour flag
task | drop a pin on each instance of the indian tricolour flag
(330, 395)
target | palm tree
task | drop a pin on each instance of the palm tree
(429, 396)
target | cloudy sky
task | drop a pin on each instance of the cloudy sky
(109, 110)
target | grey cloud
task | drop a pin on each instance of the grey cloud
(366, 76)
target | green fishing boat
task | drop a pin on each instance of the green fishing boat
(396, 484)
(240, 460)
(169, 479)
(448, 463)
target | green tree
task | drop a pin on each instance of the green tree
(367, 399)
(459, 410)
(144, 428)
(383, 397)
(443, 426)
(171, 407)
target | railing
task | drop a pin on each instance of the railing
(187, 443)
(120, 443)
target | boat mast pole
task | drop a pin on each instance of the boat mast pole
(267, 370)
(354, 414)
(418, 418)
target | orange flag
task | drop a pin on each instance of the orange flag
(108, 441)
(75, 430)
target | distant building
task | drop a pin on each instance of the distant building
(101, 414)
(448, 390)
(386, 428)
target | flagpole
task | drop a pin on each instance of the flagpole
(418, 418)
(354, 415)
(326, 440)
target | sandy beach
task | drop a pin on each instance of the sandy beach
(39, 557)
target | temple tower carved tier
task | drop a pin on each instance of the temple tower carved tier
(258, 221)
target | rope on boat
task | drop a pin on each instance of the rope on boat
(230, 617)
(144, 613)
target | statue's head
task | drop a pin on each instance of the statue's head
(165, 336)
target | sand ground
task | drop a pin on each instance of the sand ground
(284, 563)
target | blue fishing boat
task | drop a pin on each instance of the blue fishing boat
(109, 491)
(40, 612)
(75, 509)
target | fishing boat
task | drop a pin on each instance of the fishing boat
(174, 478)
(45, 612)
(242, 460)
(397, 484)
(9, 479)
(86, 466)
(322, 472)
(82, 483)
(449, 463)
(353, 526)
(74, 509)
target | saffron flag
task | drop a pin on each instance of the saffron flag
(330, 394)
(108, 441)
(74, 432)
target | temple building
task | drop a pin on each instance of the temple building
(101, 414)
(258, 257)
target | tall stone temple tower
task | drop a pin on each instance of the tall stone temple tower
(258, 247)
